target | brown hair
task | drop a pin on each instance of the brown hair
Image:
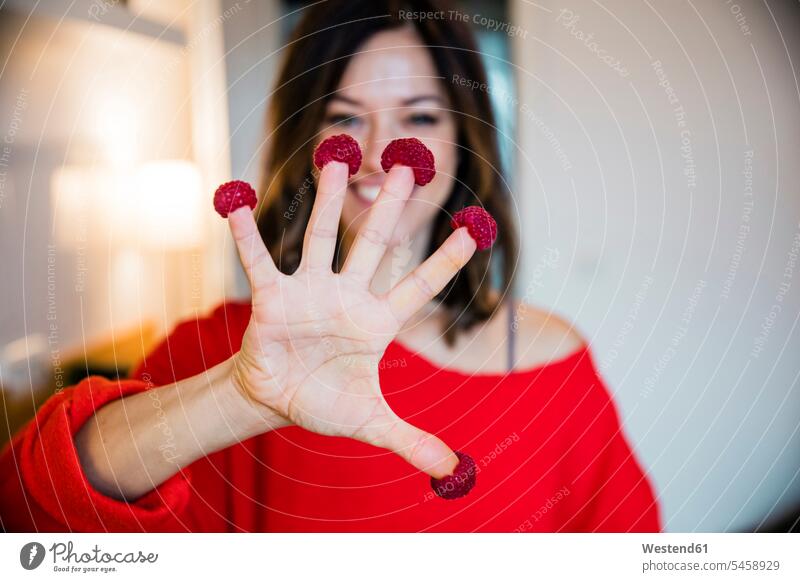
(318, 52)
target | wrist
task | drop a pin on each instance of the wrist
(250, 416)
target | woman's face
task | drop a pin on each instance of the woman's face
(391, 89)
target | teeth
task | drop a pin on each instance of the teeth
(369, 193)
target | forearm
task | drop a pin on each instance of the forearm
(136, 443)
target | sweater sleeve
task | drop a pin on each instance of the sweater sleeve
(43, 486)
(611, 491)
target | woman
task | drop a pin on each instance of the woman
(311, 407)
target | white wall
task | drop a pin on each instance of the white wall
(668, 259)
(254, 37)
(78, 92)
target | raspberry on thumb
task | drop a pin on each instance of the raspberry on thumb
(460, 482)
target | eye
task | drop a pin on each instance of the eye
(423, 119)
(343, 120)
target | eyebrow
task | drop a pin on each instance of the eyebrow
(407, 102)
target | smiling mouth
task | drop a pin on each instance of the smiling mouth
(367, 194)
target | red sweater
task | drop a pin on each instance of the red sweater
(547, 441)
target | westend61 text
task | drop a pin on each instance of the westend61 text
(673, 549)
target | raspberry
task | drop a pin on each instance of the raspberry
(460, 482)
(233, 195)
(411, 152)
(480, 224)
(339, 148)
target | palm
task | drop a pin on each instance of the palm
(312, 348)
(333, 334)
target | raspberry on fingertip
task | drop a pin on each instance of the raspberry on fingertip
(233, 195)
(480, 224)
(460, 482)
(411, 152)
(339, 148)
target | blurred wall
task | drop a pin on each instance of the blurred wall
(77, 92)
(658, 188)
(254, 36)
(107, 88)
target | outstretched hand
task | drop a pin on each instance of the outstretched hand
(315, 339)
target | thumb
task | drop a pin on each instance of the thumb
(425, 451)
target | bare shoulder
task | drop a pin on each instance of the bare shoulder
(542, 335)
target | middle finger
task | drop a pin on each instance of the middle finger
(373, 237)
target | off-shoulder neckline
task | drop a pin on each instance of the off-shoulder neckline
(535, 370)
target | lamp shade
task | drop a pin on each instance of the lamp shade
(169, 204)
(159, 206)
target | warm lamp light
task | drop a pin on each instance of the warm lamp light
(130, 229)
(169, 205)
(160, 207)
